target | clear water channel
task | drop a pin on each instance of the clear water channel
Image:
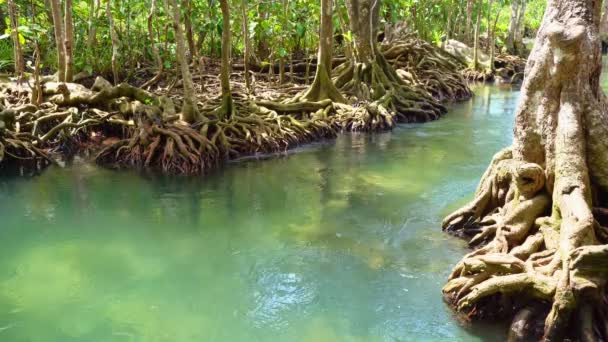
(335, 241)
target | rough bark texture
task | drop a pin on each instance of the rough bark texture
(14, 25)
(68, 42)
(476, 41)
(227, 108)
(323, 87)
(247, 46)
(115, 42)
(520, 31)
(604, 22)
(541, 251)
(59, 39)
(190, 111)
(512, 32)
(468, 20)
(153, 48)
(369, 78)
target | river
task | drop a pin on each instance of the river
(335, 241)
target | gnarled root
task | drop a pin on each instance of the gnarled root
(172, 148)
(20, 151)
(423, 64)
(384, 96)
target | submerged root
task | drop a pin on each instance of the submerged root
(173, 148)
(525, 256)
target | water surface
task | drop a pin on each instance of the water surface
(340, 241)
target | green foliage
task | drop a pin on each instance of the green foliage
(6, 55)
(277, 28)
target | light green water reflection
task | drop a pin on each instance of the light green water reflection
(338, 242)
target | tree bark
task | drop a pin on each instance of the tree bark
(189, 33)
(476, 40)
(68, 41)
(604, 21)
(532, 214)
(153, 47)
(115, 42)
(59, 39)
(190, 112)
(14, 26)
(468, 21)
(369, 77)
(490, 27)
(227, 109)
(519, 33)
(247, 46)
(512, 31)
(323, 87)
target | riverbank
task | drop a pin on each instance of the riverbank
(124, 126)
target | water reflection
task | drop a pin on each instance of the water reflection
(339, 241)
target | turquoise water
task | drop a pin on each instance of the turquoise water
(338, 241)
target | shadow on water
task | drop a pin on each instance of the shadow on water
(337, 242)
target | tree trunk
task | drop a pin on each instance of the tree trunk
(604, 21)
(190, 113)
(153, 47)
(489, 28)
(543, 255)
(371, 79)
(188, 26)
(115, 42)
(92, 33)
(469, 19)
(227, 109)
(283, 43)
(68, 41)
(510, 42)
(17, 51)
(247, 46)
(493, 41)
(476, 40)
(519, 33)
(59, 39)
(323, 87)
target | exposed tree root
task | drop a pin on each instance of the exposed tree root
(385, 98)
(542, 254)
(422, 64)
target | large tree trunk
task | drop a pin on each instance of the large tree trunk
(188, 27)
(604, 21)
(68, 41)
(476, 40)
(468, 21)
(190, 111)
(510, 42)
(14, 25)
(323, 87)
(153, 47)
(227, 109)
(519, 33)
(115, 42)
(370, 78)
(59, 39)
(489, 31)
(247, 47)
(543, 255)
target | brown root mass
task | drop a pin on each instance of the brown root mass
(541, 250)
